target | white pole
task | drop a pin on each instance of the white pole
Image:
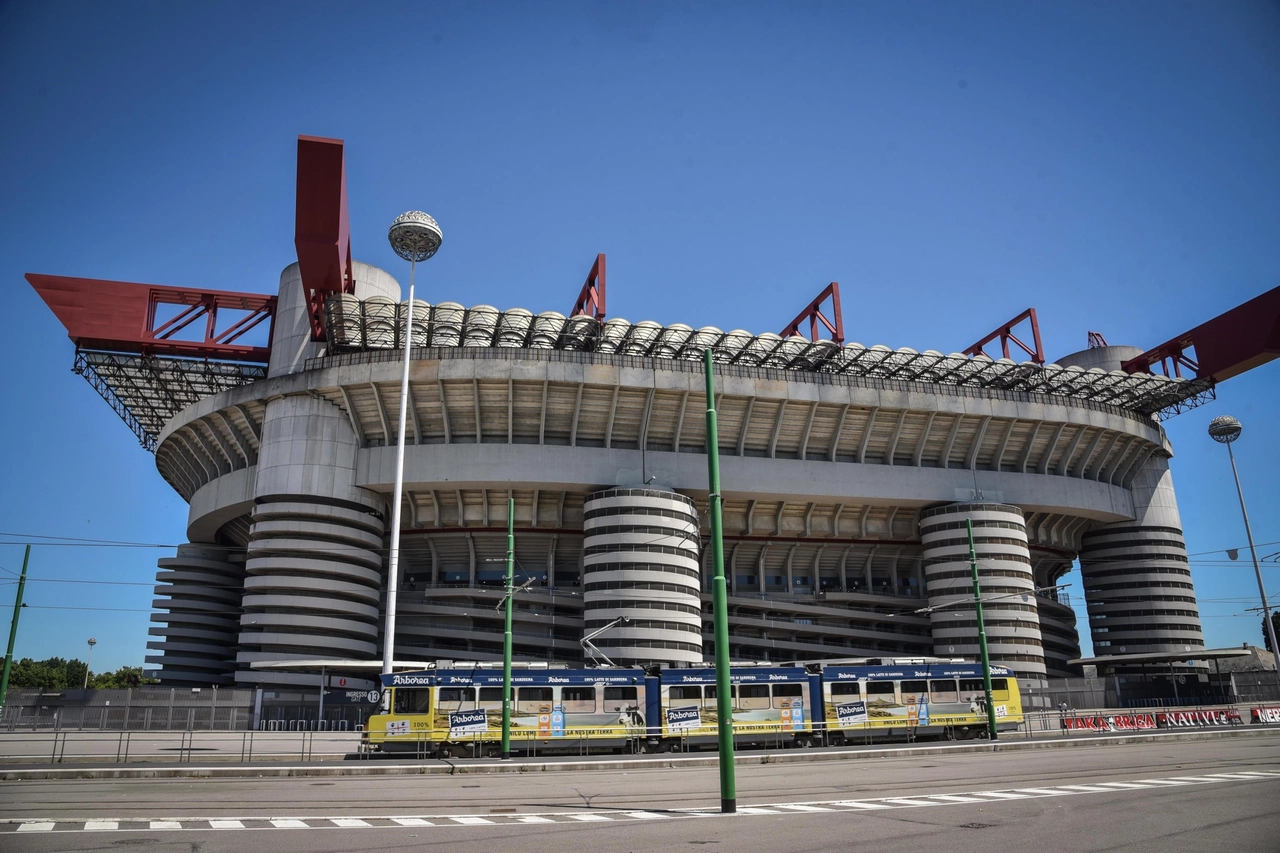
(1268, 626)
(393, 560)
(88, 664)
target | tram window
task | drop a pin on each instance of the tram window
(881, 691)
(846, 688)
(709, 695)
(686, 691)
(457, 698)
(913, 691)
(618, 694)
(970, 687)
(1000, 689)
(753, 696)
(943, 691)
(529, 700)
(412, 701)
(490, 697)
(578, 700)
(783, 694)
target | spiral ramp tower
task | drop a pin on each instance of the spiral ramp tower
(640, 563)
(201, 612)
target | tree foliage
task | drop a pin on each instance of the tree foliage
(63, 674)
(1275, 621)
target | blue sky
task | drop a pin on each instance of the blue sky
(1112, 164)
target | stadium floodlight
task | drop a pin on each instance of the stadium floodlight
(1225, 429)
(414, 236)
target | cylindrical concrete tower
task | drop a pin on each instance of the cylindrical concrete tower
(640, 560)
(1137, 580)
(1008, 585)
(315, 546)
(203, 589)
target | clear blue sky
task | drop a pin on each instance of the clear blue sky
(1113, 164)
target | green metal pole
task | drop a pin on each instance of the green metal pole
(982, 633)
(720, 604)
(506, 634)
(13, 629)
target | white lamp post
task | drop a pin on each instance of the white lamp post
(414, 236)
(92, 642)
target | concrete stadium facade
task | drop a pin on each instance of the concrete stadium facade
(846, 496)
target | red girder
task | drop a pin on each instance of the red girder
(1226, 346)
(591, 298)
(120, 316)
(1005, 334)
(813, 313)
(321, 231)
(1096, 340)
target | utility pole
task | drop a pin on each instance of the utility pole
(506, 634)
(13, 628)
(720, 604)
(982, 633)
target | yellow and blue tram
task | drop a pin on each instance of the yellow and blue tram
(458, 709)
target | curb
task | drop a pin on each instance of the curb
(440, 767)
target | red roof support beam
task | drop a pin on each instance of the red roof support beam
(1226, 346)
(1005, 334)
(322, 233)
(591, 298)
(813, 313)
(120, 316)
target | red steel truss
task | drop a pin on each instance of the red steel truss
(120, 316)
(813, 313)
(1226, 346)
(322, 233)
(591, 298)
(1096, 340)
(1005, 334)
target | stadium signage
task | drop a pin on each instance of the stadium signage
(1111, 723)
(1265, 715)
(1183, 719)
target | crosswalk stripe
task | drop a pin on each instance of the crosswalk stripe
(1001, 795)
(411, 821)
(1122, 785)
(1233, 776)
(471, 821)
(289, 823)
(855, 804)
(803, 808)
(349, 822)
(646, 815)
(956, 798)
(1092, 789)
(1044, 792)
(533, 818)
(225, 824)
(590, 817)
(165, 824)
(36, 826)
(1194, 779)
(907, 801)
(757, 810)
(1165, 782)
(91, 825)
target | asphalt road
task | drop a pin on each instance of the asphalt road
(1196, 796)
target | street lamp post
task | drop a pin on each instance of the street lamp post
(92, 642)
(982, 633)
(506, 632)
(414, 236)
(1225, 429)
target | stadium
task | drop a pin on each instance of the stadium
(849, 475)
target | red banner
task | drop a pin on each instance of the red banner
(1111, 723)
(1265, 715)
(1182, 719)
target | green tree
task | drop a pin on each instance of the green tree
(1275, 621)
(47, 674)
(125, 676)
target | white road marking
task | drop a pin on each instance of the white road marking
(907, 801)
(645, 815)
(756, 810)
(854, 804)
(1088, 789)
(1164, 782)
(165, 824)
(349, 822)
(1248, 777)
(290, 824)
(589, 817)
(533, 818)
(1123, 786)
(800, 807)
(36, 826)
(411, 821)
(94, 825)
(1001, 795)
(225, 824)
(1045, 792)
(956, 798)
(471, 821)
